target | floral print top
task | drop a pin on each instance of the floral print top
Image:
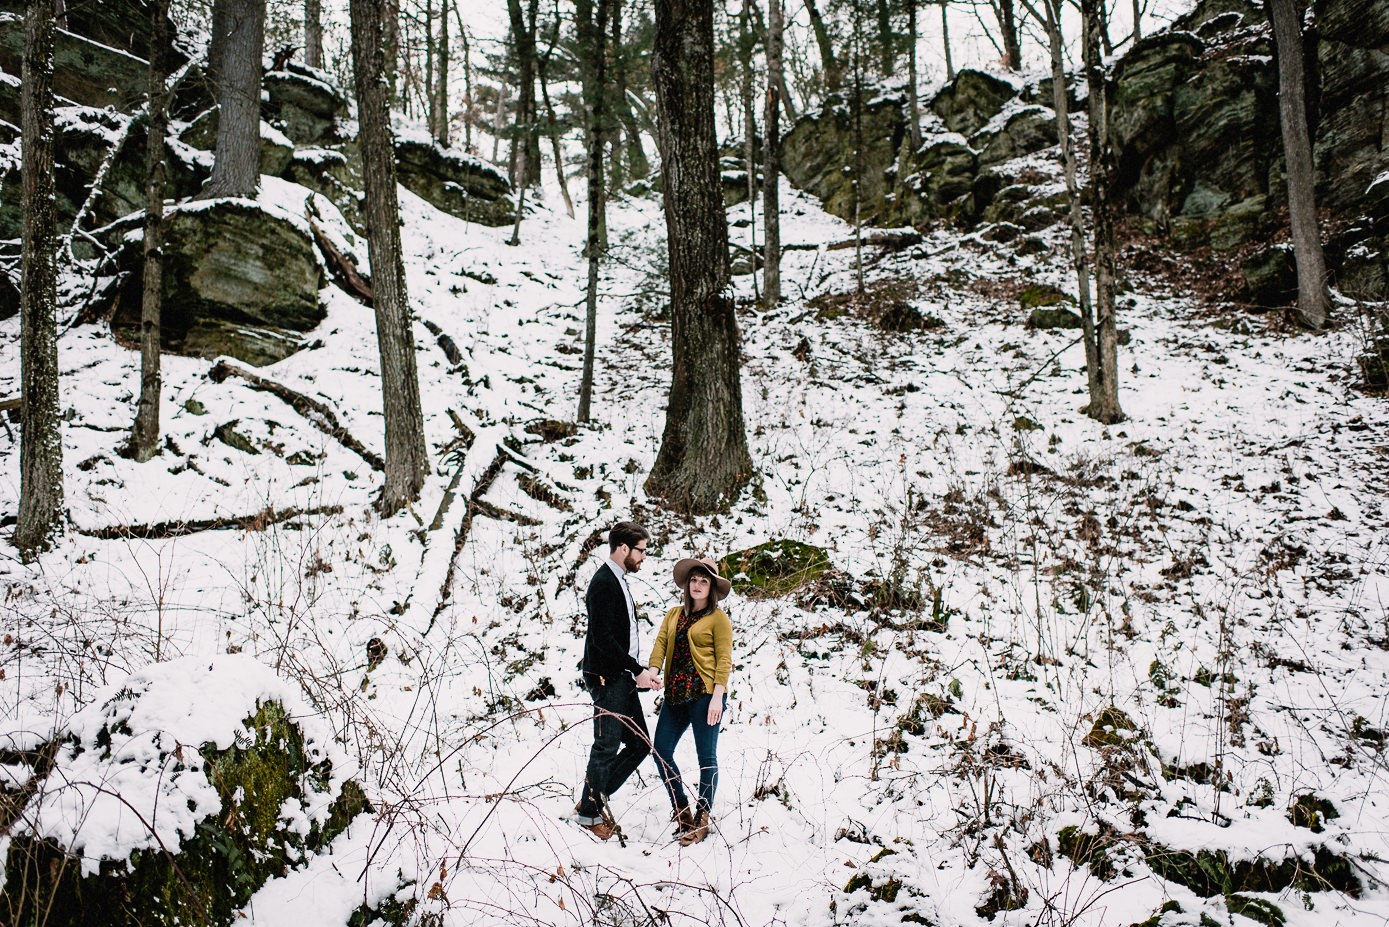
(683, 682)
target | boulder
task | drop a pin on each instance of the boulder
(935, 181)
(457, 183)
(238, 280)
(1270, 277)
(161, 807)
(1028, 130)
(332, 173)
(118, 24)
(276, 149)
(971, 100)
(774, 569)
(303, 105)
(818, 155)
(85, 72)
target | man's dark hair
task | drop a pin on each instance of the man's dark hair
(626, 532)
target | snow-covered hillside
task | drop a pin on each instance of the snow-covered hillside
(1054, 661)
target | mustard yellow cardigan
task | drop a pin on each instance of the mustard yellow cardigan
(711, 646)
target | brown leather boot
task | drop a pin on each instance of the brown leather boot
(698, 832)
(684, 820)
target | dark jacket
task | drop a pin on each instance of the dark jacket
(609, 635)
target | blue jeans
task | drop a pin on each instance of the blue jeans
(670, 727)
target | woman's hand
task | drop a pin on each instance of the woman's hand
(716, 706)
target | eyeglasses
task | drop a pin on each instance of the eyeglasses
(640, 550)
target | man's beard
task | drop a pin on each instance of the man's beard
(631, 564)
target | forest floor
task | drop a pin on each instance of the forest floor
(1062, 673)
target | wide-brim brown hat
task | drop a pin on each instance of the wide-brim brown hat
(683, 567)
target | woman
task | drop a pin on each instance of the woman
(694, 649)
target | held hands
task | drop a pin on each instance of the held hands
(649, 678)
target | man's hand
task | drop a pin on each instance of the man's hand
(648, 679)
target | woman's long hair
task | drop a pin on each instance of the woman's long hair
(709, 604)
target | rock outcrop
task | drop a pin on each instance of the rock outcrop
(238, 280)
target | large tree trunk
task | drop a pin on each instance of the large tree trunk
(41, 434)
(591, 24)
(313, 33)
(831, 63)
(703, 461)
(771, 162)
(1313, 301)
(887, 40)
(406, 458)
(525, 167)
(144, 434)
(234, 62)
(1103, 375)
(913, 97)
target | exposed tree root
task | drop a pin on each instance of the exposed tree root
(317, 413)
(340, 266)
(177, 529)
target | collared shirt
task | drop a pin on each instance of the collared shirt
(633, 648)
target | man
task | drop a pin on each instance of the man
(613, 672)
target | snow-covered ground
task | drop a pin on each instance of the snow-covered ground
(1215, 568)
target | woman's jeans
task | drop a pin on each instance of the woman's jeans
(670, 726)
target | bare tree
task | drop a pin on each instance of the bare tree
(313, 33)
(945, 39)
(551, 122)
(913, 97)
(441, 94)
(746, 40)
(1313, 300)
(144, 434)
(832, 64)
(591, 24)
(41, 435)
(234, 64)
(1008, 29)
(1101, 335)
(525, 149)
(771, 161)
(406, 457)
(703, 461)
(628, 154)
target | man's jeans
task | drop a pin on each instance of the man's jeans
(620, 741)
(670, 727)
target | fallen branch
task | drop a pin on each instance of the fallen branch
(340, 266)
(177, 529)
(445, 342)
(903, 239)
(488, 510)
(484, 483)
(317, 414)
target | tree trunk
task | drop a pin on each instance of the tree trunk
(633, 155)
(1313, 301)
(406, 457)
(1008, 27)
(1137, 21)
(771, 162)
(552, 125)
(1104, 376)
(40, 428)
(526, 163)
(591, 24)
(703, 461)
(144, 434)
(887, 40)
(745, 43)
(858, 147)
(313, 33)
(945, 39)
(913, 97)
(431, 102)
(468, 115)
(443, 135)
(1079, 255)
(832, 65)
(238, 43)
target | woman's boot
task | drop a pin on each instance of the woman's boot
(698, 832)
(684, 819)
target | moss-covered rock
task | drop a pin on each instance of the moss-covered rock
(256, 807)
(1211, 872)
(457, 183)
(304, 106)
(775, 568)
(1045, 319)
(971, 100)
(238, 280)
(1112, 728)
(1312, 812)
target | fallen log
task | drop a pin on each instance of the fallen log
(177, 529)
(317, 413)
(901, 239)
(340, 266)
(484, 483)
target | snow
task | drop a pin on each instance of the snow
(1239, 511)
